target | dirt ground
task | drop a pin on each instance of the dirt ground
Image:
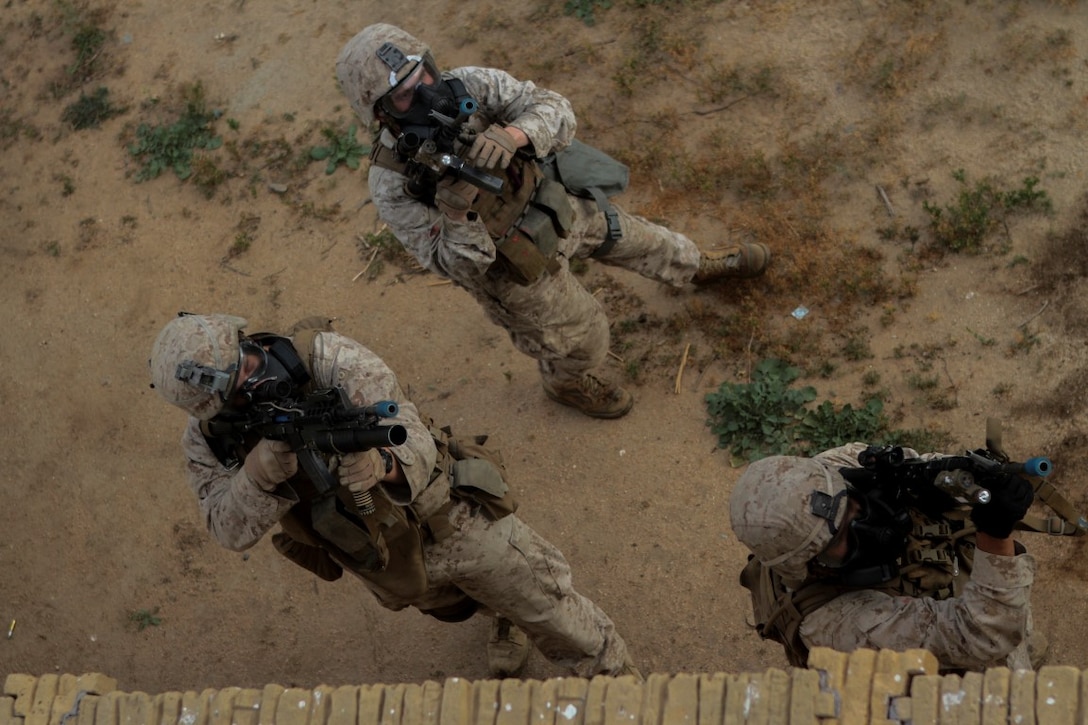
(96, 522)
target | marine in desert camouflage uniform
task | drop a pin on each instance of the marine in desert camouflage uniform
(807, 529)
(443, 552)
(463, 234)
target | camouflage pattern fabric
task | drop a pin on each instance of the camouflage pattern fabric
(503, 564)
(988, 625)
(554, 320)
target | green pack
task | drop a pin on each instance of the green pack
(592, 174)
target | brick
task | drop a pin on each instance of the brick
(485, 701)
(246, 707)
(267, 704)
(1022, 697)
(293, 707)
(737, 705)
(925, 697)
(832, 662)
(396, 702)
(712, 697)
(572, 701)
(21, 687)
(430, 703)
(370, 703)
(42, 703)
(96, 683)
(169, 705)
(196, 707)
(68, 701)
(681, 701)
(623, 701)
(778, 696)
(88, 711)
(887, 688)
(804, 690)
(7, 711)
(1056, 691)
(995, 696)
(920, 662)
(222, 706)
(961, 698)
(344, 706)
(857, 686)
(653, 697)
(322, 704)
(137, 708)
(107, 711)
(515, 703)
(747, 699)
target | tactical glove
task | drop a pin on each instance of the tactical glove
(362, 471)
(492, 149)
(270, 463)
(454, 198)
(1010, 502)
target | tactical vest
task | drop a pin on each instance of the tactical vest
(326, 534)
(525, 221)
(937, 563)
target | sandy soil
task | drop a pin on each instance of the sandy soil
(96, 521)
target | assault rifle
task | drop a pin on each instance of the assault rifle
(942, 484)
(430, 151)
(323, 421)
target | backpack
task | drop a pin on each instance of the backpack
(590, 173)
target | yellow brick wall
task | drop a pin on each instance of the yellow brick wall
(836, 688)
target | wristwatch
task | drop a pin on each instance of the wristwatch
(387, 459)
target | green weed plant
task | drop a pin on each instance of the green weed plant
(144, 618)
(342, 149)
(966, 224)
(171, 146)
(90, 111)
(585, 10)
(768, 417)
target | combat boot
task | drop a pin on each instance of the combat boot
(507, 649)
(739, 261)
(592, 395)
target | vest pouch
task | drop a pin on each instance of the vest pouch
(529, 248)
(334, 526)
(551, 198)
(538, 225)
(481, 482)
(312, 558)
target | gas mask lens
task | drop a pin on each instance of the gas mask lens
(400, 97)
(267, 380)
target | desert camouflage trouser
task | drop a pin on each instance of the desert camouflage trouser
(513, 572)
(556, 320)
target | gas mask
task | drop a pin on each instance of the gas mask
(865, 550)
(270, 382)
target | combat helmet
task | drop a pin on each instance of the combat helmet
(377, 60)
(786, 509)
(195, 360)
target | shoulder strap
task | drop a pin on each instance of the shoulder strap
(302, 335)
(1068, 521)
(779, 612)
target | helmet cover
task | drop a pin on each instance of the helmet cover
(771, 511)
(194, 362)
